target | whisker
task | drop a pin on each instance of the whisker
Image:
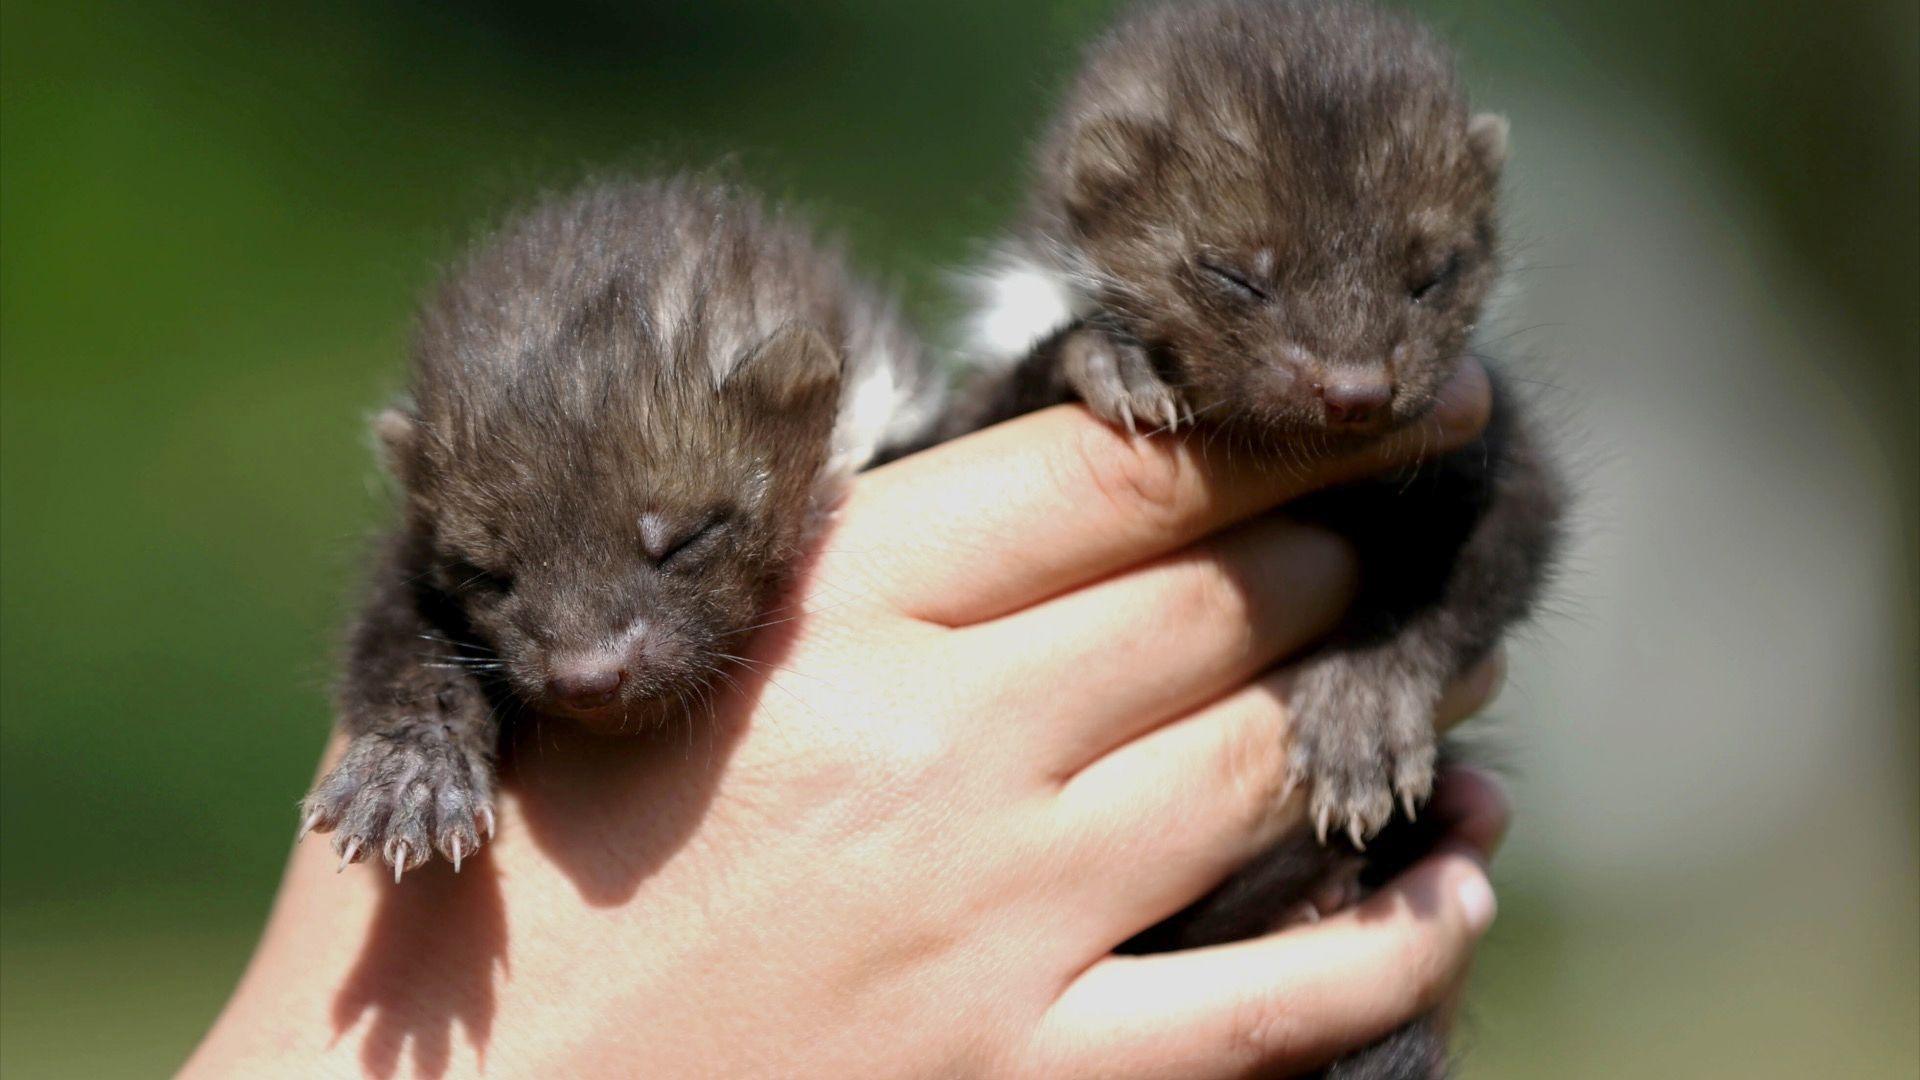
(769, 622)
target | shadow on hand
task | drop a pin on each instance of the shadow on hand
(611, 809)
(608, 810)
(416, 986)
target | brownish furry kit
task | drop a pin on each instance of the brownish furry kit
(628, 409)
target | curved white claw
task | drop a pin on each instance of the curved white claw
(348, 854)
(1357, 834)
(307, 826)
(397, 854)
(1322, 820)
(486, 820)
(457, 853)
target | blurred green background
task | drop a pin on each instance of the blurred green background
(214, 219)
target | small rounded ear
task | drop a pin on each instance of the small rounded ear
(1109, 157)
(1487, 138)
(397, 434)
(794, 370)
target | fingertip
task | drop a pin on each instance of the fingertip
(1323, 557)
(1473, 691)
(1451, 894)
(1473, 891)
(1476, 806)
(1464, 403)
(1460, 412)
(1487, 677)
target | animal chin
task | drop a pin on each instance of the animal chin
(631, 712)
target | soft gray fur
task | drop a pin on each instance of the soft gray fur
(1276, 221)
(628, 410)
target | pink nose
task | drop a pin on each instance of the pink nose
(586, 687)
(1356, 399)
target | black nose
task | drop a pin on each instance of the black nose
(1356, 399)
(587, 686)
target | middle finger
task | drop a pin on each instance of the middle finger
(1121, 657)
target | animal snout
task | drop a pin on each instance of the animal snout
(586, 683)
(1353, 400)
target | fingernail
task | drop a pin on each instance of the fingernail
(1476, 901)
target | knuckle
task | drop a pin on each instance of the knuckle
(1137, 478)
(1264, 1028)
(1325, 556)
(896, 766)
(918, 752)
(1252, 765)
(1205, 593)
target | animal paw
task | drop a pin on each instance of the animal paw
(1362, 734)
(1117, 381)
(402, 794)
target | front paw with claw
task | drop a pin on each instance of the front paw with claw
(402, 794)
(1362, 733)
(1117, 381)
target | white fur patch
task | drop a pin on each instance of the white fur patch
(887, 399)
(1018, 303)
(877, 403)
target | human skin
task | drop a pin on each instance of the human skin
(1025, 701)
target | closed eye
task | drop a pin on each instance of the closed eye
(1421, 289)
(469, 578)
(664, 544)
(1231, 279)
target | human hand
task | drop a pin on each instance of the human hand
(1021, 706)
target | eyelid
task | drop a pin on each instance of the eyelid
(1438, 278)
(660, 540)
(1233, 278)
(466, 574)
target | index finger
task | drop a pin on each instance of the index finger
(1006, 517)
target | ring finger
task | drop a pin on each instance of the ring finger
(1196, 799)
